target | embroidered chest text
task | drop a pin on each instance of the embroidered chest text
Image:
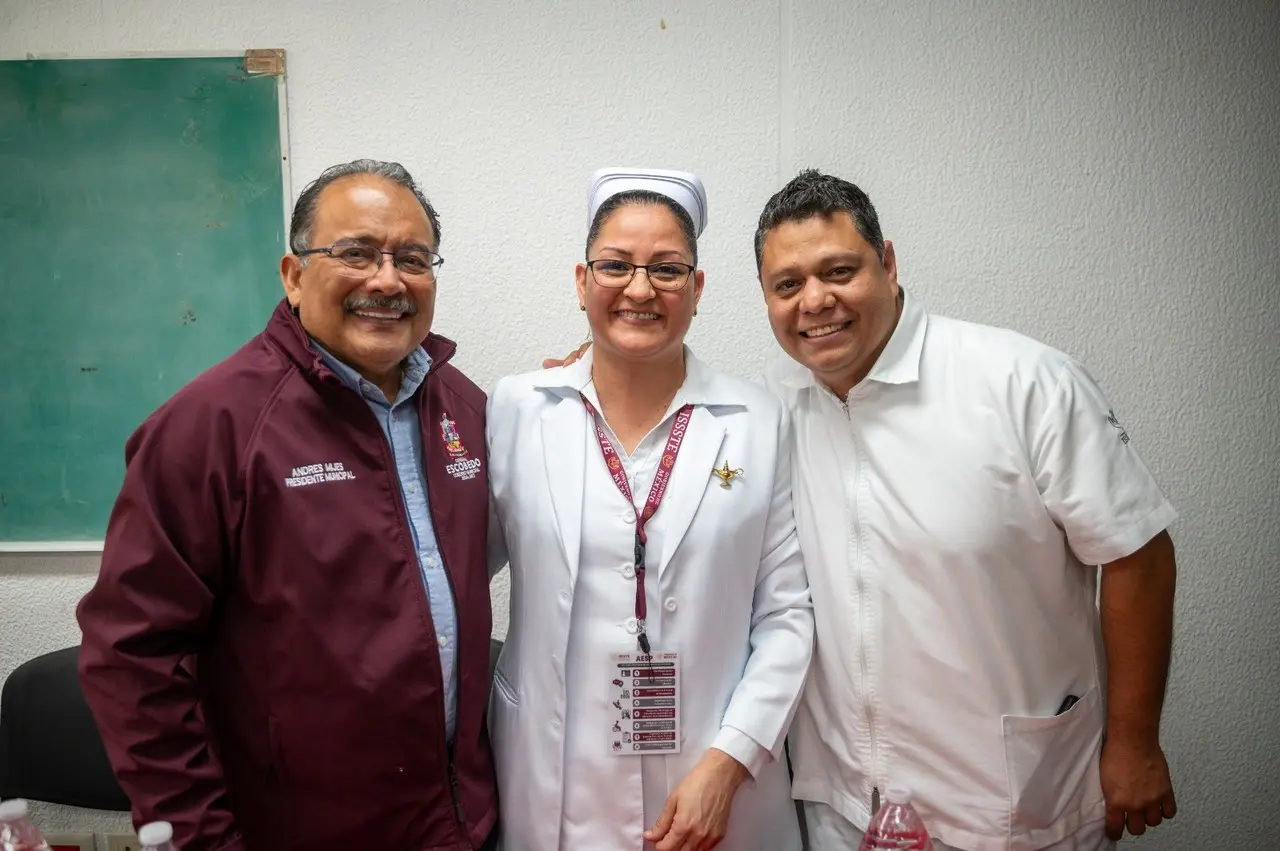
(314, 474)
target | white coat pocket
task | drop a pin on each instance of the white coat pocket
(504, 709)
(1052, 764)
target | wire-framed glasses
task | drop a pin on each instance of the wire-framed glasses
(411, 261)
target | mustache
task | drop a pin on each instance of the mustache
(400, 304)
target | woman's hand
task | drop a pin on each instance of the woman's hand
(697, 812)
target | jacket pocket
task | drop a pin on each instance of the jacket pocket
(275, 792)
(1052, 765)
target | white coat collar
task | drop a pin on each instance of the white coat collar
(565, 444)
(702, 387)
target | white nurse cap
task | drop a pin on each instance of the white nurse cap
(680, 186)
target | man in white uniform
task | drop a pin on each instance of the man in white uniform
(955, 487)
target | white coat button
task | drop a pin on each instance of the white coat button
(669, 604)
(443, 641)
(629, 515)
(564, 594)
(629, 571)
(633, 626)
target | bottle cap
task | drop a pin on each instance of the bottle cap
(13, 809)
(898, 794)
(155, 833)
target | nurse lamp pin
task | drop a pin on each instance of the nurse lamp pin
(725, 475)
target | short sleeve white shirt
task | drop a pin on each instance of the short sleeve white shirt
(949, 512)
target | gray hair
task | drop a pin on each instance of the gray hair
(304, 211)
(812, 193)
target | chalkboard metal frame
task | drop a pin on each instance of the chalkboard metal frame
(95, 546)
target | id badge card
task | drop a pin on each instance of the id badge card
(644, 703)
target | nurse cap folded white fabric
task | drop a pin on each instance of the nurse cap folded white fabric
(680, 186)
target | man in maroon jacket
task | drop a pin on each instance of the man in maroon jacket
(288, 643)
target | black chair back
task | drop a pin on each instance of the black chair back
(50, 749)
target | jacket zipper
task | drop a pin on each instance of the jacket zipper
(457, 665)
(863, 607)
(451, 772)
(457, 645)
(453, 790)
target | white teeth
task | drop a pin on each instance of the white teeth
(370, 314)
(635, 314)
(823, 331)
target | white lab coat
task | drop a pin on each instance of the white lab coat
(728, 589)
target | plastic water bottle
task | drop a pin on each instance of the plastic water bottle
(156, 836)
(17, 833)
(896, 826)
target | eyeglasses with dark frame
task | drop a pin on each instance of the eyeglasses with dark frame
(410, 262)
(667, 276)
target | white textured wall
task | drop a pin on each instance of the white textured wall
(1102, 176)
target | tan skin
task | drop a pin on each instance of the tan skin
(832, 302)
(696, 814)
(373, 341)
(1137, 630)
(638, 366)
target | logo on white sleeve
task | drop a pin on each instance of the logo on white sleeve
(316, 474)
(1115, 424)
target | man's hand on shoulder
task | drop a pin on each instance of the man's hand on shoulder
(572, 357)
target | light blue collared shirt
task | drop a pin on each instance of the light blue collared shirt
(400, 425)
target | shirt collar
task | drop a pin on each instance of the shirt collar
(899, 362)
(700, 384)
(416, 366)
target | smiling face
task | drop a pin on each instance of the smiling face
(638, 322)
(833, 304)
(369, 319)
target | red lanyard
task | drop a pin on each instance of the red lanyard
(656, 492)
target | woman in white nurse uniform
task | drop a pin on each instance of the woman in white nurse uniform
(660, 624)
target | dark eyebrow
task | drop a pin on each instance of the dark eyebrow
(839, 258)
(843, 259)
(361, 237)
(664, 256)
(785, 271)
(368, 239)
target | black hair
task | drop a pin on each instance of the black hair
(812, 193)
(643, 197)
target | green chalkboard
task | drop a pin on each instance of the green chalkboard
(141, 223)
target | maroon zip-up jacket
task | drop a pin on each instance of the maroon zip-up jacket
(258, 649)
